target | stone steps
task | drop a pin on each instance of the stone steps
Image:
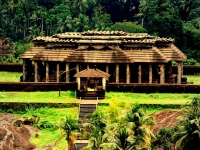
(85, 108)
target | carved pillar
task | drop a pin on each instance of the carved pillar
(180, 71)
(162, 74)
(127, 73)
(67, 72)
(150, 73)
(24, 70)
(58, 72)
(104, 83)
(117, 73)
(47, 71)
(139, 73)
(107, 71)
(36, 71)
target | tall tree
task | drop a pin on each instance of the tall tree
(96, 126)
(187, 135)
(140, 124)
(69, 126)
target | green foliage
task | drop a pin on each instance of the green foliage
(9, 59)
(190, 62)
(192, 42)
(68, 127)
(187, 135)
(167, 26)
(45, 125)
(10, 110)
(163, 139)
(21, 21)
(20, 47)
(129, 27)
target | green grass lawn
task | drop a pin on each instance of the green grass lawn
(69, 97)
(193, 78)
(10, 76)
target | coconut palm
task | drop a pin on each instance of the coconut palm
(140, 123)
(69, 127)
(187, 135)
(96, 127)
(119, 138)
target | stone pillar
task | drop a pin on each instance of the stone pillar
(180, 72)
(39, 64)
(28, 70)
(162, 74)
(36, 71)
(58, 72)
(117, 73)
(24, 70)
(77, 68)
(139, 73)
(47, 71)
(128, 73)
(67, 72)
(104, 83)
(150, 73)
(78, 83)
(107, 71)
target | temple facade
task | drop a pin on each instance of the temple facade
(125, 57)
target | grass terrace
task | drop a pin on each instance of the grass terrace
(69, 97)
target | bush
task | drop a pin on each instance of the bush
(129, 27)
(20, 47)
(190, 61)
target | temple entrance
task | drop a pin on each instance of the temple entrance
(91, 84)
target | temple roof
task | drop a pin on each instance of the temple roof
(93, 73)
(104, 47)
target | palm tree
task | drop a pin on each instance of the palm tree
(187, 135)
(96, 127)
(68, 128)
(119, 138)
(140, 124)
(129, 133)
(81, 23)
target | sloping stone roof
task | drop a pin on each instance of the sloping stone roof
(104, 47)
(93, 73)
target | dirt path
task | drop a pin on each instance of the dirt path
(166, 118)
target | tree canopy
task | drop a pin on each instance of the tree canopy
(22, 20)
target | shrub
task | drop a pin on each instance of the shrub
(129, 27)
(190, 61)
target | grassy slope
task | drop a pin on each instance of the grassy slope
(47, 137)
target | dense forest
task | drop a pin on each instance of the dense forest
(22, 20)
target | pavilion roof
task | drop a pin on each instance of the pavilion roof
(92, 73)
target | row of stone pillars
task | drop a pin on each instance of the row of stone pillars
(162, 73)
(128, 72)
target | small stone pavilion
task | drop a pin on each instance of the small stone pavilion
(124, 57)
